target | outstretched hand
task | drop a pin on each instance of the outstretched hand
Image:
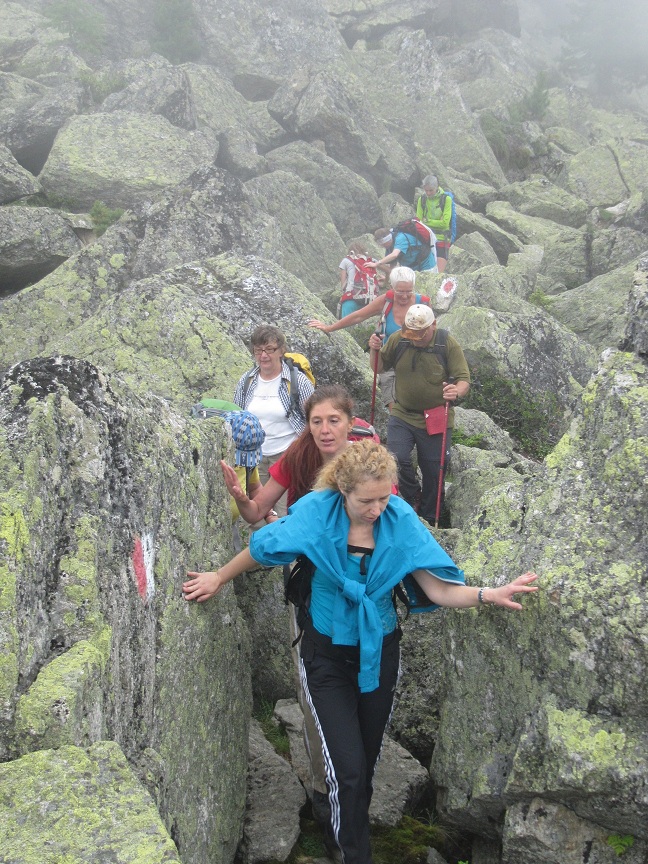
(319, 325)
(503, 595)
(202, 586)
(232, 482)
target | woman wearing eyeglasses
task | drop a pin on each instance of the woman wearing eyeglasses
(265, 392)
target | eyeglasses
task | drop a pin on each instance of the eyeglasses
(403, 293)
(265, 350)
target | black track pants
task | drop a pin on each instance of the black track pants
(351, 725)
(401, 439)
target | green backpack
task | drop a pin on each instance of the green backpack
(213, 408)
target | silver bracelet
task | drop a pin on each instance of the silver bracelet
(480, 597)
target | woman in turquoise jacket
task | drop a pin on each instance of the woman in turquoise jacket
(362, 541)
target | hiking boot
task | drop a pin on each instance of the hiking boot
(332, 849)
(321, 808)
(322, 815)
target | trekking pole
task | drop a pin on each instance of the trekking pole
(380, 331)
(373, 388)
(442, 465)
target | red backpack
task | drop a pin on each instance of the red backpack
(361, 430)
(364, 283)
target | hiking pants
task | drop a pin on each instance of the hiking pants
(401, 439)
(312, 741)
(351, 726)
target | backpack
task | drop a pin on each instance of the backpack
(453, 218)
(296, 363)
(212, 408)
(207, 408)
(364, 283)
(440, 348)
(362, 430)
(297, 590)
(442, 202)
(420, 231)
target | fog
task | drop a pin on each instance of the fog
(601, 41)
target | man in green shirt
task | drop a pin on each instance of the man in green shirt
(431, 370)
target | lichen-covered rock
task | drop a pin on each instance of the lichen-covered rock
(565, 259)
(307, 242)
(478, 247)
(485, 433)
(333, 106)
(160, 88)
(209, 214)
(612, 248)
(260, 597)
(351, 201)
(72, 804)
(423, 100)
(635, 337)
(474, 472)
(259, 46)
(15, 181)
(474, 194)
(632, 158)
(54, 64)
(122, 159)
(23, 28)
(539, 197)
(370, 20)
(493, 72)
(461, 261)
(503, 242)
(33, 242)
(526, 367)
(61, 300)
(593, 175)
(566, 139)
(551, 833)
(597, 311)
(399, 784)
(106, 500)
(571, 108)
(556, 703)
(29, 126)
(274, 799)
(218, 106)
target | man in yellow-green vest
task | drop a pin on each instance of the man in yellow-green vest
(434, 208)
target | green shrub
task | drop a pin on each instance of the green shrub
(495, 133)
(539, 298)
(58, 202)
(620, 843)
(408, 843)
(533, 422)
(103, 217)
(460, 437)
(534, 105)
(273, 732)
(102, 84)
(85, 26)
(176, 35)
